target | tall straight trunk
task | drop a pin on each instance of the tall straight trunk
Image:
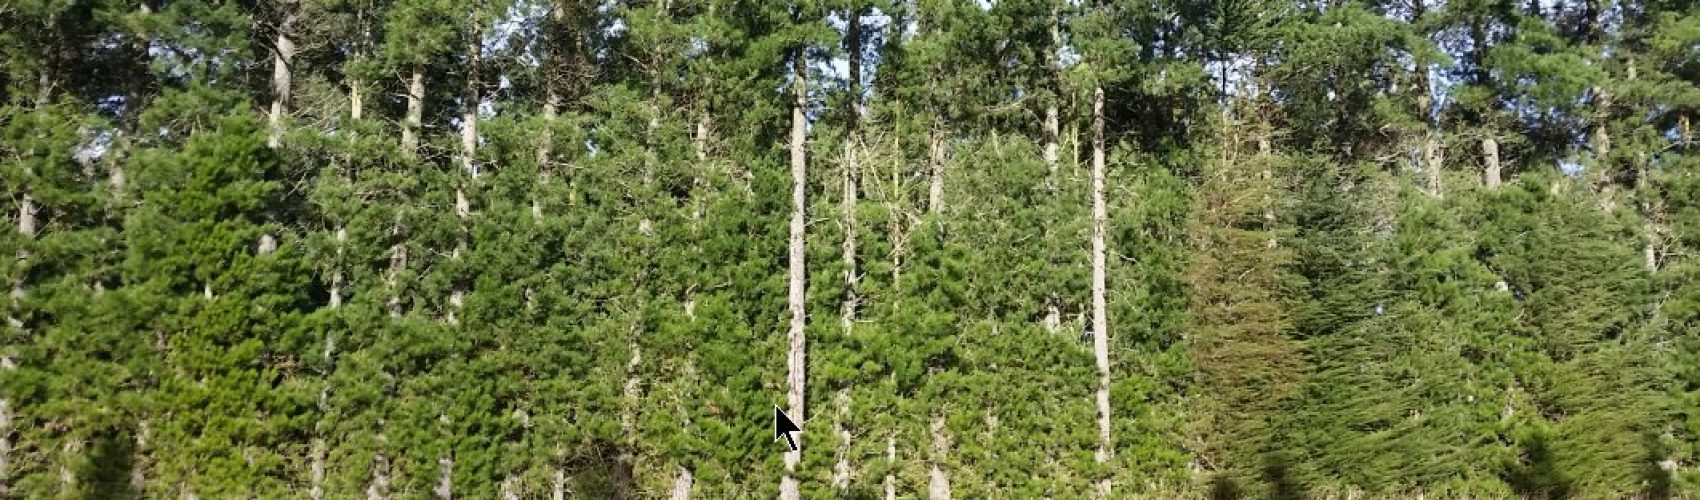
(468, 159)
(847, 209)
(282, 56)
(682, 484)
(891, 457)
(8, 362)
(445, 489)
(935, 166)
(469, 105)
(794, 360)
(379, 488)
(1100, 320)
(1600, 140)
(551, 102)
(938, 484)
(415, 112)
(315, 489)
(1490, 163)
(624, 462)
(1051, 114)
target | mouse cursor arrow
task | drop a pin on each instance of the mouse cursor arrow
(783, 427)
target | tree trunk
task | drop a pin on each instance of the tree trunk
(852, 193)
(316, 489)
(624, 462)
(1433, 158)
(1051, 129)
(935, 165)
(682, 484)
(468, 153)
(415, 112)
(398, 262)
(938, 486)
(1100, 320)
(891, 457)
(469, 108)
(558, 487)
(1490, 163)
(1600, 140)
(445, 489)
(551, 102)
(379, 489)
(794, 364)
(282, 57)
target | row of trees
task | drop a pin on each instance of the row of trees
(1026, 248)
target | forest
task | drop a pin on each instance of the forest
(518, 249)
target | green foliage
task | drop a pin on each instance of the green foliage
(1310, 294)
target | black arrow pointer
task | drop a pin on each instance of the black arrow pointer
(783, 427)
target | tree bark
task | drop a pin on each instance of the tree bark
(935, 165)
(283, 55)
(1100, 320)
(316, 490)
(795, 361)
(1600, 140)
(847, 210)
(379, 489)
(1490, 163)
(891, 457)
(469, 108)
(551, 101)
(1051, 129)
(682, 484)
(558, 487)
(938, 486)
(398, 262)
(624, 462)
(445, 489)
(415, 112)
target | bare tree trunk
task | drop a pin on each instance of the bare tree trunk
(415, 112)
(356, 99)
(445, 489)
(316, 489)
(1490, 163)
(398, 262)
(379, 488)
(1051, 115)
(469, 108)
(682, 484)
(551, 105)
(1600, 140)
(282, 57)
(795, 362)
(624, 462)
(891, 456)
(852, 193)
(1100, 320)
(1433, 158)
(558, 487)
(935, 164)
(938, 487)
